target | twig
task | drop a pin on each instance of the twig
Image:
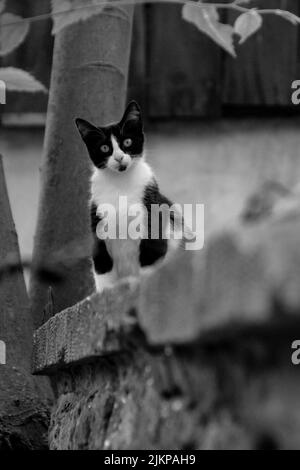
(235, 5)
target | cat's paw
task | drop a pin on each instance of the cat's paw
(104, 281)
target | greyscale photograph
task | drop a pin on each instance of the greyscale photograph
(149, 228)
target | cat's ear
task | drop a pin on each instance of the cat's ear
(87, 129)
(132, 119)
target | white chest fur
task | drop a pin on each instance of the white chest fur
(109, 187)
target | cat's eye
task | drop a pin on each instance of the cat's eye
(127, 142)
(104, 148)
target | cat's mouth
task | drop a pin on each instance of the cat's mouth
(122, 168)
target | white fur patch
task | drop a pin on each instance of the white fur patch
(118, 158)
(104, 281)
(108, 186)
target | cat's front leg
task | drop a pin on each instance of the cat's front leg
(104, 281)
(103, 265)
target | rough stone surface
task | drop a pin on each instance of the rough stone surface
(91, 328)
(240, 395)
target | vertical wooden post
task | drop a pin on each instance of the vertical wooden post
(23, 416)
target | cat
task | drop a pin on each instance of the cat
(120, 170)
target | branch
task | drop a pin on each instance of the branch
(235, 5)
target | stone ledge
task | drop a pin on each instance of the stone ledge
(92, 328)
(245, 279)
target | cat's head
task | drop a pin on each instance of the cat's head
(116, 146)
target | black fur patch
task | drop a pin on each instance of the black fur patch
(151, 250)
(102, 260)
(130, 127)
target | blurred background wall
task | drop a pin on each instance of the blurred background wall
(177, 72)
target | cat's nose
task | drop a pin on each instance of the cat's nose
(119, 158)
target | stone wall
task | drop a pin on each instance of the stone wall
(195, 355)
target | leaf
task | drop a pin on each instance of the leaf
(11, 36)
(20, 80)
(287, 15)
(247, 24)
(206, 19)
(2, 5)
(68, 12)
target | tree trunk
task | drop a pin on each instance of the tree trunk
(23, 413)
(89, 80)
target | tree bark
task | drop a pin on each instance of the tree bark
(89, 80)
(23, 410)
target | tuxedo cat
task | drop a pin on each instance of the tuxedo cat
(120, 171)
